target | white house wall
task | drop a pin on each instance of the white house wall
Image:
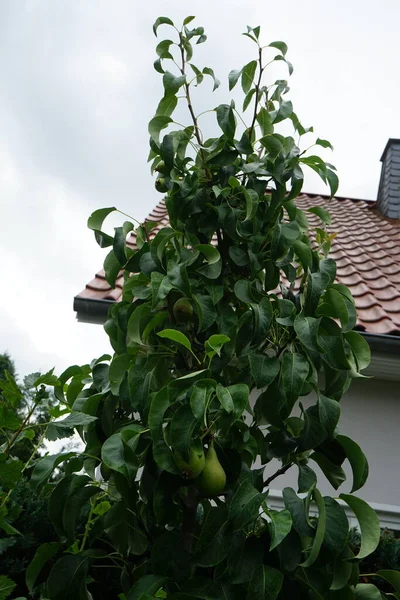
(371, 416)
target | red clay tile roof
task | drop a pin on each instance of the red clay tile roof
(366, 249)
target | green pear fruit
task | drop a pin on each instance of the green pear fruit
(161, 168)
(212, 479)
(194, 465)
(183, 310)
(161, 185)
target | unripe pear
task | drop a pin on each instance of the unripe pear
(183, 310)
(161, 185)
(212, 479)
(161, 168)
(194, 465)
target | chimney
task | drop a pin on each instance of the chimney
(388, 202)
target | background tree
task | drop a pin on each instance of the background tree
(7, 364)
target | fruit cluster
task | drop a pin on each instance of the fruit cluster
(209, 476)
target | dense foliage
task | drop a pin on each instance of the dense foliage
(230, 317)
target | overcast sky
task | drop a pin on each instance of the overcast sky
(77, 89)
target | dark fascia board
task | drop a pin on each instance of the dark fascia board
(90, 310)
(389, 344)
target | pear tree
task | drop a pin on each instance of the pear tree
(230, 319)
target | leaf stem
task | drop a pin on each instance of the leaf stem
(87, 526)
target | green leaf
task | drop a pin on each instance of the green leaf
(67, 578)
(392, 577)
(213, 543)
(281, 524)
(172, 84)
(304, 254)
(118, 367)
(296, 507)
(240, 397)
(226, 120)
(367, 591)
(243, 291)
(210, 72)
(182, 428)
(329, 413)
(6, 543)
(200, 397)
(214, 344)
(42, 555)
(265, 122)
(47, 379)
(357, 460)
(75, 419)
(334, 305)
(265, 584)
(263, 369)
(252, 201)
(95, 223)
(334, 473)
(316, 283)
(157, 124)
(248, 98)
(360, 348)
(337, 527)
(307, 478)
(324, 143)
(7, 586)
(233, 78)
(118, 456)
(245, 504)
(159, 405)
(166, 106)
(333, 181)
(281, 46)
(45, 467)
(135, 324)
(10, 471)
(9, 419)
(188, 20)
(147, 586)
(294, 371)
(205, 310)
(176, 336)
(368, 522)
(161, 21)
(248, 73)
(321, 213)
(320, 532)
(198, 73)
(112, 268)
(306, 329)
(224, 397)
(285, 110)
(162, 49)
(210, 252)
(273, 143)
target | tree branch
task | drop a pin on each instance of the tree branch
(256, 94)
(280, 471)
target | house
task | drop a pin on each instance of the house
(367, 252)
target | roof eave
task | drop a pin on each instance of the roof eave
(91, 310)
